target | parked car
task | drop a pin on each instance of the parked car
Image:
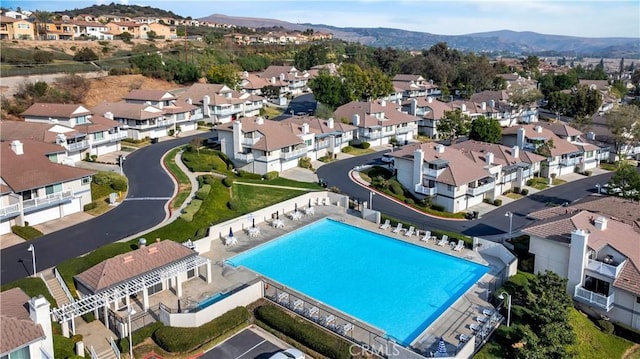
(291, 353)
(386, 158)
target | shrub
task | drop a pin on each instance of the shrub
(487, 200)
(101, 178)
(208, 179)
(606, 326)
(26, 232)
(271, 175)
(587, 173)
(85, 54)
(189, 211)
(437, 207)
(249, 175)
(203, 192)
(89, 206)
(233, 204)
(497, 202)
(228, 181)
(305, 162)
(529, 181)
(303, 332)
(409, 201)
(524, 191)
(364, 145)
(119, 184)
(139, 336)
(181, 340)
(396, 188)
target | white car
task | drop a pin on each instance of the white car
(291, 353)
(386, 158)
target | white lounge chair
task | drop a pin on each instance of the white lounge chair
(459, 246)
(482, 319)
(385, 225)
(326, 202)
(312, 313)
(298, 305)
(488, 312)
(230, 241)
(410, 231)
(329, 320)
(475, 327)
(346, 328)
(397, 229)
(443, 241)
(309, 211)
(426, 237)
(283, 298)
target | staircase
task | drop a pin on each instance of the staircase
(107, 354)
(56, 290)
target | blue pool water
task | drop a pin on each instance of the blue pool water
(395, 286)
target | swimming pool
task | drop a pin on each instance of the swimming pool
(396, 286)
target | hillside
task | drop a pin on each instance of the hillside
(121, 10)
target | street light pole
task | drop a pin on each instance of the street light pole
(598, 187)
(131, 312)
(371, 199)
(501, 296)
(510, 215)
(121, 160)
(33, 257)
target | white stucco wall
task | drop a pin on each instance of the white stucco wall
(550, 255)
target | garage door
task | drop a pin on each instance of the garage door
(5, 227)
(43, 216)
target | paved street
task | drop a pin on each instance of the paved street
(148, 183)
(244, 345)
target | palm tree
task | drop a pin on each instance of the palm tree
(42, 18)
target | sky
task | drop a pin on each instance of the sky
(586, 18)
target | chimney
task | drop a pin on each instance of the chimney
(488, 157)
(577, 254)
(39, 312)
(484, 106)
(601, 223)
(189, 101)
(515, 152)
(206, 111)
(260, 120)
(330, 123)
(418, 161)
(463, 107)
(429, 99)
(591, 136)
(237, 136)
(17, 147)
(305, 128)
(492, 103)
(440, 148)
(521, 137)
(108, 115)
(413, 107)
(539, 129)
(356, 120)
(383, 103)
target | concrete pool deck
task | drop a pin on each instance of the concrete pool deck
(453, 322)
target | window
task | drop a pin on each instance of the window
(191, 273)
(53, 157)
(308, 142)
(86, 180)
(98, 136)
(81, 120)
(54, 188)
(22, 353)
(388, 128)
(23, 26)
(154, 289)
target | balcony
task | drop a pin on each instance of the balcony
(406, 129)
(164, 123)
(77, 146)
(248, 141)
(227, 111)
(373, 135)
(609, 270)
(568, 162)
(429, 191)
(244, 157)
(10, 210)
(602, 301)
(475, 191)
(321, 145)
(294, 154)
(114, 137)
(52, 199)
(249, 108)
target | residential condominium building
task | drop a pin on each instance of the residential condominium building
(378, 122)
(139, 120)
(35, 187)
(294, 80)
(258, 145)
(568, 152)
(464, 174)
(503, 110)
(25, 324)
(414, 86)
(182, 115)
(219, 104)
(16, 29)
(73, 126)
(597, 253)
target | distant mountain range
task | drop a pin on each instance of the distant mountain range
(503, 41)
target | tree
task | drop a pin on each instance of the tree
(152, 35)
(485, 130)
(586, 101)
(85, 54)
(272, 92)
(387, 60)
(181, 72)
(313, 55)
(224, 74)
(42, 18)
(627, 180)
(623, 125)
(42, 57)
(453, 125)
(126, 37)
(544, 148)
(559, 102)
(531, 64)
(328, 90)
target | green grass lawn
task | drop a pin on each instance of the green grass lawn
(285, 182)
(557, 182)
(538, 183)
(513, 195)
(205, 161)
(592, 343)
(609, 166)
(100, 194)
(184, 184)
(254, 198)
(356, 151)
(33, 287)
(270, 112)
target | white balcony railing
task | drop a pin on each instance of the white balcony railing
(113, 137)
(245, 157)
(248, 141)
(570, 161)
(164, 123)
(429, 191)
(406, 129)
(475, 191)
(609, 270)
(321, 145)
(10, 210)
(75, 146)
(373, 135)
(294, 154)
(226, 111)
(602, 301)
(48, 200)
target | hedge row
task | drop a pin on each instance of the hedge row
(203, 192)
(26, 232)
(139, 336)
(182, 340)
(189, 211)
(303, 332)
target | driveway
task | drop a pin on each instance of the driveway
(244, 345)
(300, 104)
(150, 188)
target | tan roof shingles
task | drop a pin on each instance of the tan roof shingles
(319, 126)
(16, 326)
(619, 235)
(132, 264)
(33, 169)
(134, 111)
(367, 111)
(275, 134)
(53, 110)
(617, 207)
(149, 95)
(503, 155)
(561, 146)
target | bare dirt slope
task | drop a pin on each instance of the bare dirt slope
(113, 88)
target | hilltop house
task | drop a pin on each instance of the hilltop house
(294, 80)
(25, 324)
(16, 29)
(35, 187)
(414, 86)
(568, 153)
(597, 252)
(378, 122)
(76, 128)
(260, 146)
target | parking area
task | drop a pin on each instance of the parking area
(245, 345)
